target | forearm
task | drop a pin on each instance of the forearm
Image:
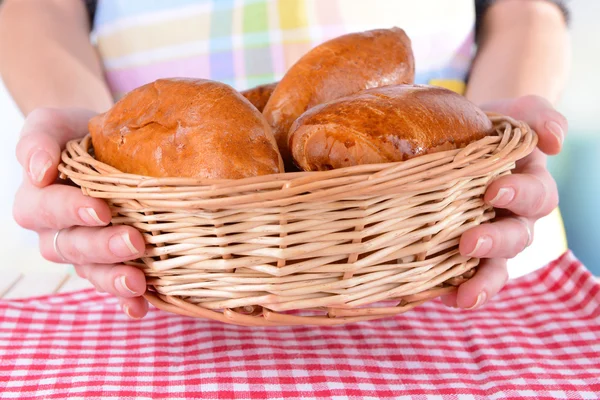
(523, 50)
(46, 58)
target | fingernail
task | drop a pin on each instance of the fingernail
(89, 217)
(481, 298)
(482, 247)
(39, 163)
(556, 130)
(127, 311)
(121, 285)
(524, 222)
(121, 246)
(503, 197)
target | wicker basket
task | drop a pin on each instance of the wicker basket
(307, 248)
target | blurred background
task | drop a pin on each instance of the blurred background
(576, 169)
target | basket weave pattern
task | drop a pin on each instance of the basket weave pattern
(306, 248)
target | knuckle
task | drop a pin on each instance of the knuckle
(47, 253)
(523, 243)
(525, 237)
(91, 276)
(72, 252)
(42, 114)
(524, 102)
(546, 198)
(560, 119)
(564, 122)
(80, 271)
(20, 217)
(21, 149)
(48, 217)
(554, 201)
(553, 195)
(541, 195)
(98, 277)
(99, 288)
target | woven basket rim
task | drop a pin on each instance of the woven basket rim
(145, 181)
(103, 181)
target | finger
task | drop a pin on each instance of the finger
(449, 299)
(82, 245)
(503, 238)
(57, 207)
(79, 269)
(135, 307)
(532, 193)
(490, 278)
(44, 134)
(550, 125)
(119, 280)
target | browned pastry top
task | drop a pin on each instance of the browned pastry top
(186, 128)
(259, 95)
(337, 68)
(386, 124)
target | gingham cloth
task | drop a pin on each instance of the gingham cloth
(539, 338)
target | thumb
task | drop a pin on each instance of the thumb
(44, 135)
(550, 125)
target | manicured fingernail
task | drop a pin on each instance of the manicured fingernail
(127, 311)
(481, 298)
(524, 222)
(121, 285)
(39, 163)
(556, 130)
(503, 197)
(482, 247)
(89, 217)
(121, 246)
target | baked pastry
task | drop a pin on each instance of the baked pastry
(337, 68)
(386, 124)
(259, 95)
(186, 128)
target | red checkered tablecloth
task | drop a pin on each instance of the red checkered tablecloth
(539, 338)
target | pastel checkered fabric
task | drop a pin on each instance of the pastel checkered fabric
(538, 339)
(249, 42)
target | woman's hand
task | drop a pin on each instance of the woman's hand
(49, 208)
(520, 199)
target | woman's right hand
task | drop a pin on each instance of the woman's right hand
(46, 206)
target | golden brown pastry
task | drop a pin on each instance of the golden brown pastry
(337, 68)
(386, 124)
(186, 128)
(259, 95)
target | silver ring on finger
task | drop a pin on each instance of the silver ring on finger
(55, 244)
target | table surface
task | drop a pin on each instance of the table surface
(18, 284)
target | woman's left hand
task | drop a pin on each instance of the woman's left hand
(520, 200)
